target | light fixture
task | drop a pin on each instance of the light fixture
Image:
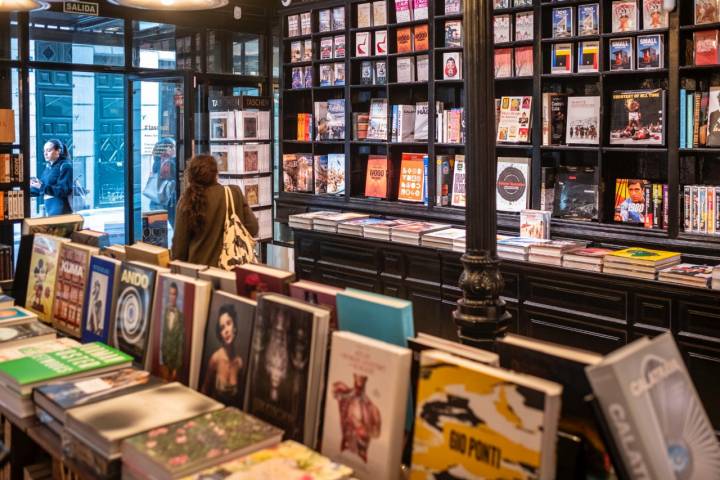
(176, 5)
(9, 6)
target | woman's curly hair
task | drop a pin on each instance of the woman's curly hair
(200, 174)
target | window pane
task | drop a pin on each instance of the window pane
(85, 111)
(66, 38)
(8, 36)
(164, 46)
(236, 53)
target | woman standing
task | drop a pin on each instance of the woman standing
(56, 181)
(200, 219)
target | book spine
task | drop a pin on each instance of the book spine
(683, 117)
(711, 210)
(546, 119)
(690, 117)
(657, 206)
(426, 166)
(648, 211)
(696, 120)
(666, 207)
(717, 210)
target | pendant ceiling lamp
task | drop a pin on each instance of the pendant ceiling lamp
(9, 6)
(176, 5)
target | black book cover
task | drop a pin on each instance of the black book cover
(576, 194)
(134, 309)
(558, 122)
(279, 366)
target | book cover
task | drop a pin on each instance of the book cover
(576, 194)
(524, 61)
(706, 11)
(421, 38)
(362, 44)
(562, 22)
(305, 23)
(412, 179)
(501, 28)
(336, 174)
(482, 421)
(320, 294)
(512, 184)
(713, 118)
(324, 20)
(136, 288)
(335, 123)
(588, 19)
(338, 18)
(327, 75)
(637, 117)
(296, 52)
(524, 26)
(622, 54)
(379, 13)
(376, 316)
(102, 282)
(404, 40)
(367, 380)
(377, 129)
(23, 333)
(72, 274)
(534, 226)
(453, 33)
(380, 42)
(453, 6)
(403, 11)
(583, 121)
(338, 74)
(43, 270)
(320, 174)
(377, 177)
(706, 47)
(380, 72)
(339, 46)
(405, 69)
(561, 58)
(253, 279)
(20, 350)
(501, 4)
(293, 22)
(458, 195)
(630, 200)
(503, 62)
(15, 315)
(364, 15)
(650, 52)
(289, 460)
(420, 9)
(589, 56)
(654, 16)
(452, 66)
(422, 65)
(647, 395)
(515, 119)
(624, 16)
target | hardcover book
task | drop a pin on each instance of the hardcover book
(43, 270)
(524, 61)
(378, 177)
(654, 16)
(706, 11)
(524, 28)
(562, 58)
(502, 29)
(367, 381)
(376, 316)
(461, 403)
(637, 117)
(320, 294)
(588, 19)
(630, 200)
(377, 129)
(651, 407)
(622, 55)
(563, 22)
(515, 120)
(706, 47)
(576, 194)
(458, 196)
(512, 184)
(226, 354)
(253, 279)
(624, 16)
(583, 121)
(320, 174)
(336, 174)
(225, 435)
(289, 345)
(15, 315)
(588, 56)
(98, 311)
(650, 52)
(72, 274)
(133, 313)
(453, 33)
(23, 333)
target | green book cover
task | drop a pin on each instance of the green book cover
(49, 366)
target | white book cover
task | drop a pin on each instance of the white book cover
(364, 18)
(512, 184)
(222, 157)
(624, 16)
(423, 68)
(324, 21)
(502, 29)
(406, 69)
(452, 65)
(379, 13)
(403, 11)
(421, 122)
(253, 158)
(377, 129)
(583, 121)
(362, 44)
(305, 23)
(293, 25)
(457, 198)
(222, 126)
(515, 120)
(366, 394)
(380, 45)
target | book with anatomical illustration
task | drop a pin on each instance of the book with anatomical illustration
(366, 386)
(41, 281)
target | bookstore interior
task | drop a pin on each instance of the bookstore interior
(538, 302)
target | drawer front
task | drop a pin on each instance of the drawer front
(423, 267)
(651, 310)
(393, 263)
(427, 309)
(349, 279)
(305, 247)
(703, 363)
(573, 331)
(347, 254)
(577, 295)
(699, 319)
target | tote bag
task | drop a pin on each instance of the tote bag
(238, 246)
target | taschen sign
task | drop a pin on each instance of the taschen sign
(83, 8)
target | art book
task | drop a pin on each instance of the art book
(576, 193)
(134, 308)
(588, 56)
(622, 55)
(41, 280)
(201, 442)
(253, 279)
(706, 47)
(563, 22)
(320, 294)
(412, 177)
(512, 184)
(637, 117)
(515, 119)
(583, 121)
(458, 196)
(15, 316)
(453, 33)
(654, 16)
(289, 344)
(461, 424)
(588, 19)
(366, 384)
(70, 283)
(378, 177)
(524, 61)
(336, 173)
(503, 62)
(624, 16)
(650, 52)
(562, 58)
(706, 11)
(630, 200)
(502, 29)
(524, 26)
(226, 348)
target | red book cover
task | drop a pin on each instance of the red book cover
(70, 288)
(377, 177)
(422, 38)
(503, 62)
(524, 61)
(171, 342)
(706, 47)
(317, 294)
(404, 40)
(411, 177)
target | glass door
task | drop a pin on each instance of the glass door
(159, 143)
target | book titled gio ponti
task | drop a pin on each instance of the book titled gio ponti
(71, 277)
(41, 279)
(477, 421)
(200, 442)
(178, 327)
(366, 386)
(102, 284)
(288, 461)
(654, 413)
(134, 307)
(23, 374)
(226, 354)
(289, 348)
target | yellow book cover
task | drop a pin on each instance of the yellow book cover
(41, 281)
(476, 421)
(644, 255)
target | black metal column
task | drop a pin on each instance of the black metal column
(480, 316)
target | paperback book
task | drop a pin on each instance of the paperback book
(583, 121)
(588, 19)
(524, 26)
(562, 58)
(453, 33)
(458, 197)
(624, 16)
(512, 184)
(515, 118)
(654, 15)
(102, 285)
(622, 56)
(650, 52)
(502, 29)
(588, 56)
(563, 22)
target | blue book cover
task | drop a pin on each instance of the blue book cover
(621, 54)
(425, 179)
(683, 116)
(562, 22)
(690, 127)
(649, 52)
(589, 19)
(99, 293)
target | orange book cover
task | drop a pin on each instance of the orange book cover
(422, 38)
(411, 177)
(404, 40)
(377, 177)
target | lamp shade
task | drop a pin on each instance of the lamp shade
(22, 5)
(175, 5)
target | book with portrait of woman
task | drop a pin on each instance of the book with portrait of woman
(178, 323)
(226, 351)
(100, 290)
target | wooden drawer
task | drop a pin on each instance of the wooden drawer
(652, 310)
(577, 296)
(348, 255)
(703, 364)
(698, 318)
(348, 279)
(393, 263)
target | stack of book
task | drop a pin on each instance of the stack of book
(590, 259)
(305, 220)
(329, 223)
(356, 227)
(517, 248)
(381, 230)
(639, 262)
(445, 239)
(687, 274)
(551, 253)
(412, 233)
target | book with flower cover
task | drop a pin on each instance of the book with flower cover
(43, 270)
(289, 460)
(188, 446)
(72, 274)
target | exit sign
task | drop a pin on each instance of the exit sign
(84, 8)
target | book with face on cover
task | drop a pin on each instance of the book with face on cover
(366, 384)
(43, 271)
(72, 275)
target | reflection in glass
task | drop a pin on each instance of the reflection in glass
(234, 52)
